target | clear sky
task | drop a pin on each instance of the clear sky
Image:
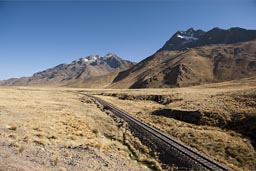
(36, 35)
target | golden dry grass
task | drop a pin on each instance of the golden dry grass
(221, 103)
(51, 129)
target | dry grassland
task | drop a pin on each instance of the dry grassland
(60, 129)
(227, 124)
(51, 129)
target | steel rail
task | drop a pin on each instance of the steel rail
(194, 155)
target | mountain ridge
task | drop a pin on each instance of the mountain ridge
(195, 57)
(80, 69)
(194, 38)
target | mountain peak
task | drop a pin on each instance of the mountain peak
(190, 30)
(94, 58)
(217, 28)
(194, 38)
(110, 55)
(195, 57)
(81, 69)
(186, 35)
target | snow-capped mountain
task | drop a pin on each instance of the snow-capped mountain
(88, 59)
(195, 57)
(194, 38)
(81, 69)
(188, 35)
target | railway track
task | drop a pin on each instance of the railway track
(198, 158)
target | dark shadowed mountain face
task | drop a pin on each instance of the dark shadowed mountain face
(81, 69)
(195, 57)
(195, 38)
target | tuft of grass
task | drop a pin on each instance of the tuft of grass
(62, 169)
(140, 152)
(39, 142)
(54, 161)
(95, 131)
(12, 127)
(21, 149)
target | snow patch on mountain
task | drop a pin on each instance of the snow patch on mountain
(187, 37)
(85, 60)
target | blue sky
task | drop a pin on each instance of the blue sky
(36, 35)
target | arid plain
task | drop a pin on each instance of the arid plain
(60, 129)
(217, 119)
(57, 129)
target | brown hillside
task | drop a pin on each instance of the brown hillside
(102, 81)
(213, 63)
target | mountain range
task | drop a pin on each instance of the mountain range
(81, 69)
(195, 57)
(188, 58)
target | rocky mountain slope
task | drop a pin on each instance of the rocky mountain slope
(79, 70)
(195, 57)
(194, 38)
